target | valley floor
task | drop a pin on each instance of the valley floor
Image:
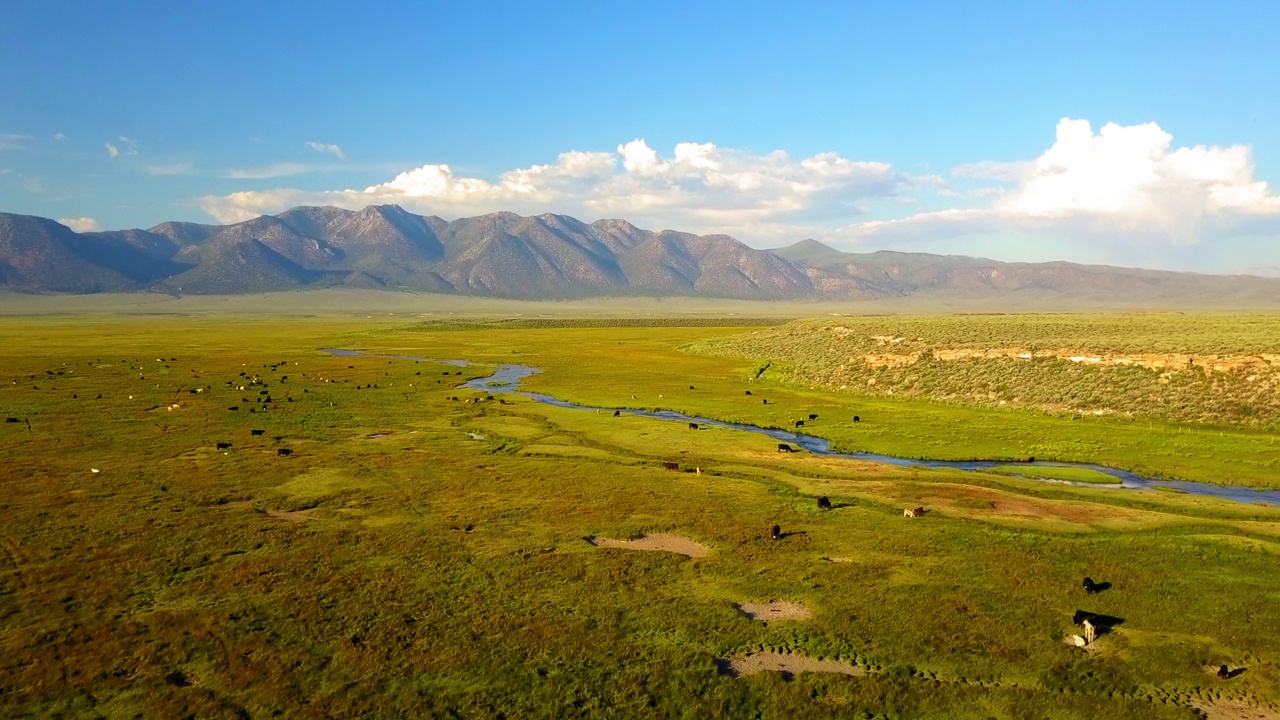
(413, 554)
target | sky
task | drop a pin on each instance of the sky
(1131, 133)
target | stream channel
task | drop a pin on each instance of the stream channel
(507, 379)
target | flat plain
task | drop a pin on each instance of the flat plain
(417, 555)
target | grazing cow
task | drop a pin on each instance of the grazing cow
(776, 532)
(256, 433)
(234, 408)
(692, 387)
(813, 416)
(1224, 672)
(764, 402)
(693, 426)
(12, 420)
(224, 446)
(1089, 586)
(616, 413)
(783, 447)
(283, 452)
(799, 423)
(857, 419)
(824, 503)
(913, 512)
(1031, 459)
(671, 465)
(748, 393)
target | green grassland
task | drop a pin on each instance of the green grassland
(1200, 369)
(418, 556)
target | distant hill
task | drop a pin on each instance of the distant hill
(546, 257)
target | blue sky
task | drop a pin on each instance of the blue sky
(922, 126)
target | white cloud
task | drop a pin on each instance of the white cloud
(81, 224)
(13, 141)
(1117, 195)
(327, 149)
(268, 171)
(1124, 191)
(701, 188)
(59, 136)
(122, 146)
(182, 168)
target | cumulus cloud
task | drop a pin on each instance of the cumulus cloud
(1127, 188)
(81, 224)
(122, 146)
(1118, 194)
(59, 136)
(699, 187)
(327, 149)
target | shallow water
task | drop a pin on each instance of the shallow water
(511, 375)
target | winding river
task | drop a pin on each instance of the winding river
(506, 379)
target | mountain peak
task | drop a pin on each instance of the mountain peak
(552, 256)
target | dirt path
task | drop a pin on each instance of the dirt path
(1227, 709)
(776, 610)
(660, 542)
(785, 663)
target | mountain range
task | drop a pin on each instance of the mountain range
(541, 257)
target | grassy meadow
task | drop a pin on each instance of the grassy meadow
(419, 556)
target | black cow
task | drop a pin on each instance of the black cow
(692, 387)
(799, 423)
(813, 416)
(256, 433)
(234, 408)
(1031, 459)
(748, 392)
(693, 426)
(857, 419)
(283, 452)
(776, 532)
(764, 402)
(616, 413)
(783, 447)
(1089, 586)
(12, 420)
(224, 446)
(824, 503)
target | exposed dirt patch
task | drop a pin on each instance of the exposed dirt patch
(375, 436)
(293, 516)
(838, 559)
(788, 664)
(776, 610)
(1228, 709)
(660, 542)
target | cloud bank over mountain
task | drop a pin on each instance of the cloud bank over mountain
(1124, 193)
